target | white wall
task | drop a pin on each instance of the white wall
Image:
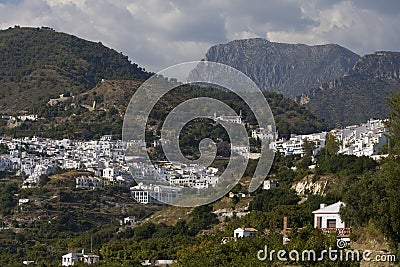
(325, 217)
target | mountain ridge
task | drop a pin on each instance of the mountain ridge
(360, 94)
(289, 69)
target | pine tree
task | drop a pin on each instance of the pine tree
(332, 144)
(393, 124)
(391, 172)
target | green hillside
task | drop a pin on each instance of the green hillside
(76, 118)
(359, 95)
(39, 63)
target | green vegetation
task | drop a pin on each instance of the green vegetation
(7, 201)
(37, 64)
(268, 199)
(58, 219)
(74, 119)
(374, 198)
(360, 95)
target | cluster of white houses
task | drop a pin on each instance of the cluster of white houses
(30, 117)
(33, 157)
(169, 178)
(295, 144)
(360, 140)
(176, 174)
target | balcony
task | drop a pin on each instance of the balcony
(342, 232)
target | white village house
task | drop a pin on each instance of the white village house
(230, 119)
(327, 218)
(264, 133)
(244, 232)
(130, 220)
(88, 182)
(72, 258)
(269, 184)
(154, 194)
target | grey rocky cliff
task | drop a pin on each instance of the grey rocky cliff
(289, 69)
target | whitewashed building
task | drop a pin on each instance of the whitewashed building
(264, 133)
(327, 218)
(6, 163)
(154, 194)
(294, 146)
(362, 140)
(244, 232)
(72, 258)
(130, 220)
(31, 117)
(269, 184)
(88, 182)
(231, 119)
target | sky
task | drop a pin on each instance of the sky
(159, 33)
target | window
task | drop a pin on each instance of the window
(331, 223)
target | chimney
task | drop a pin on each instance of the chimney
(322, 205)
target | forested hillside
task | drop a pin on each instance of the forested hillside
(360, 95)
(75, 116)
(39, 63)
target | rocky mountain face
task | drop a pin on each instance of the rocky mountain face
(358, 96)
(289, 69)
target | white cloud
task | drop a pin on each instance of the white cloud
(361, 30)
(244, 35)
(57, 3)
(158, 33)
